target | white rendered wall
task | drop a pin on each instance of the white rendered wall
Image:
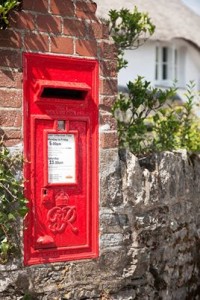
(193, 66)
(141, 62)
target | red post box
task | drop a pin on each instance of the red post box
(61, 158)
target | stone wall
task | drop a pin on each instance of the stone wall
(149, 237)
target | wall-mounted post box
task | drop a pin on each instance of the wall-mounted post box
(61, 158)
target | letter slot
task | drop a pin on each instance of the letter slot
(58, 90)
(61, 93)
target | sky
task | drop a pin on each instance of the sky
(193, 4)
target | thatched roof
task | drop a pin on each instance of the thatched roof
(173, 19)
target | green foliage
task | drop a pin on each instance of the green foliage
(12, 203)
(5, 7)
(129, 29)
(190, 133)
(148, 123)
(132, 112)
(178, 127)
(165, 128)
(27, 297)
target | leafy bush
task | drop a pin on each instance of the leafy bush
(132, 112)
(5, 7)
(147, 122)
(12, 203)
(178, 127)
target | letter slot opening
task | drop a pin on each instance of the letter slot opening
(63, 93)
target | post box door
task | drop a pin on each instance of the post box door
(61, 147)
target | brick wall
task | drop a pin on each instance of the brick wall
(62, 27)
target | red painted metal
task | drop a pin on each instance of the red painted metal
(61, 158)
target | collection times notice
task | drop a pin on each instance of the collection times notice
(61, 158)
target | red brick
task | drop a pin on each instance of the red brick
(10, 79)
(49, 23)
(107, 118)
(36, 5)
(10, 137)
(9, 58)
(108, 51)
(22, 20)
(10, 98)
(86, 10)
(107, 102)
(36, 42)
(62, 8)
(75, 28)
(108, 68)
(10, 118)
(96, 30)
(109, 140)
(10, 143)
(10, 39)
(108, 87)
(11, 134)
(106, 33)
(86, 48)
(62, 45)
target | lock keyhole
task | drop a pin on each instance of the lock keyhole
(47, 197)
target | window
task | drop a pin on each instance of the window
(175, 64)
(166, 64)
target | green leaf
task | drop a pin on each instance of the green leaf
(11, 217)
